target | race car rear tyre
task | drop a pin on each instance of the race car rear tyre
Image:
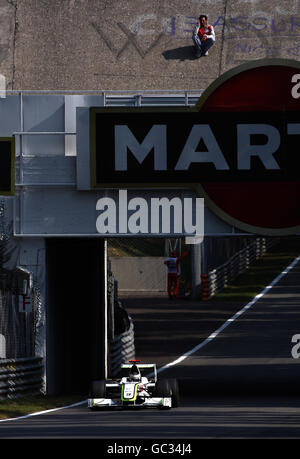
(98, 389)
(175, 392)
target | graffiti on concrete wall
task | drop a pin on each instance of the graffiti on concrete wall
(245, 37)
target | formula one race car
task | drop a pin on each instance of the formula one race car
(135, 389)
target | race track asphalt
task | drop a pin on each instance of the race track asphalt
(252, 355)
(214, 416)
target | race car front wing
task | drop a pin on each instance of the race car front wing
(163, 402)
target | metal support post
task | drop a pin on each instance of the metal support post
(196, 270)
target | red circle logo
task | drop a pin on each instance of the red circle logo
(267, 87)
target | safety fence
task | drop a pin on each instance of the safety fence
(120, 328)
(220, 277)
(20, 377)
(121, 347)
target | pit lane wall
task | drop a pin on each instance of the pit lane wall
(140, 274)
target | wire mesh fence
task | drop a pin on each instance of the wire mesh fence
(18, 322)
(19, 301)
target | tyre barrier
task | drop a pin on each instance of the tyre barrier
(220, 277)
(19, 377)
(121, 349)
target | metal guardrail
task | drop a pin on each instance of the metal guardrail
(20, 377)
(122, 349)
(223, 275)
(132, 98)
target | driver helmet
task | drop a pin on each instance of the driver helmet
(135, 374)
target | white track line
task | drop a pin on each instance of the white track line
(232, 319)
(43, 412)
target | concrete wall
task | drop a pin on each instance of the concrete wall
(144, 44)
(139, 274)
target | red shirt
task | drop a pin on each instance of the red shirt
(204, 31)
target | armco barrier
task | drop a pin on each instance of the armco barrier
(20, 377)
(220, 277)
(122, 349)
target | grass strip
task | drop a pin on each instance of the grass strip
(12, 408)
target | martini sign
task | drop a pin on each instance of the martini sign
(239, 147)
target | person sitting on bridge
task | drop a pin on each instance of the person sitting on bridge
(203, 36)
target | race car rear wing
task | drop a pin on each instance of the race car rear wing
(146, 369)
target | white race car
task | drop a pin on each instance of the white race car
(135, 389)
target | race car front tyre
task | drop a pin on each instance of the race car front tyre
(175, 392)
(163, 388)
(98, 389)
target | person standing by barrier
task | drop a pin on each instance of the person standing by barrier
(174, 271)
